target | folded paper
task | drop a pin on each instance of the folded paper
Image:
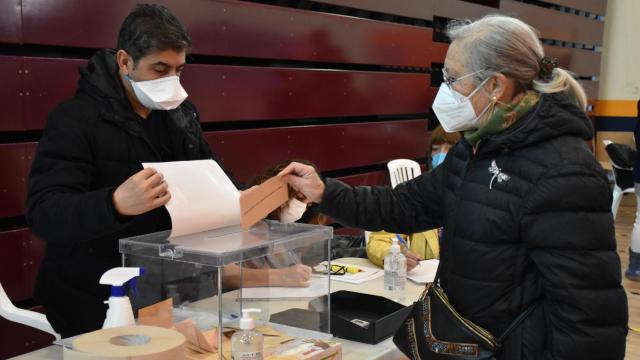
(204, 198)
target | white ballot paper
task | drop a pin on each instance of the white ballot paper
(318, 286)
(202, 196)
(425, 272)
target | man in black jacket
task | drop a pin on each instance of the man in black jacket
(87, 188)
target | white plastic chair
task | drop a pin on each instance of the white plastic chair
(25, 317)
(623, 180)
(401, 170)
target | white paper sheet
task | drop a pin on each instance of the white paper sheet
(425, 272)
(202, 196)
(318, 286)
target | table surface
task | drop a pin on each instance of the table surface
(350, 349)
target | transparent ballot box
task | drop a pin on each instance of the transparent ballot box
(211, 276)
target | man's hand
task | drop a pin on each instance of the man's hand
(305, 180)
(144, 191)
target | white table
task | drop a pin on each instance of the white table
(351, 350)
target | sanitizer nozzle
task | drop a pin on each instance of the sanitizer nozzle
(121, 280)
(395, 247)
(246, 321)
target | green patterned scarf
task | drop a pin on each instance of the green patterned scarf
(503, 117)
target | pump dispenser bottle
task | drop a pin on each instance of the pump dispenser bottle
(247, 343)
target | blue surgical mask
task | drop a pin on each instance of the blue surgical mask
(437, 159)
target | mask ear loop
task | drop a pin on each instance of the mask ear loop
(494, 104)
(494, 99)
(491, 107)
(478, 88)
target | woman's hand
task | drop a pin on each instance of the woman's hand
(305, 180)
(412, 259)
(293, 276)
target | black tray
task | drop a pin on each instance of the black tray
(363, 317)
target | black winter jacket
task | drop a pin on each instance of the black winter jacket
(91, 144)
(527, 215)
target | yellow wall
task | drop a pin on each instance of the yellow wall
(620, 70)
(620, 66)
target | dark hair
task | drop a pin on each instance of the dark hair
(149, 28)
(439, 136)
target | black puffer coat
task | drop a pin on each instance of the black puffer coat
(91, 144)
(525, 216)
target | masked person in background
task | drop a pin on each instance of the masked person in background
(87, 188)
(284, 268)
(525, 206)
(439, 144)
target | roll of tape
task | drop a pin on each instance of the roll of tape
(131, 343)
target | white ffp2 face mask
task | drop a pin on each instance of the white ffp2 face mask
(164, 93)
(293, 211)
(455, 110)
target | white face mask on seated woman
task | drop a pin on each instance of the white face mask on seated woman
(293, 211)
(455, 110)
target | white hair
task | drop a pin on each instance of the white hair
(498, 43)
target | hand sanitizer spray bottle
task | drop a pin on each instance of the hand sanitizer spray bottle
(246, 344)
(121, 279)
(395, 273)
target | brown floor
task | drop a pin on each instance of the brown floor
(624, 223)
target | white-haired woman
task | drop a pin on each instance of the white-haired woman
(525, 207)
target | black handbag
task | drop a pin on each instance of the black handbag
(457, 337)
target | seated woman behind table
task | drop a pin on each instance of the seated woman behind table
(281, 269)
(422, 246)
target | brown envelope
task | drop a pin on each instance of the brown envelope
(203, 340)
(257, 202)
(159, 314)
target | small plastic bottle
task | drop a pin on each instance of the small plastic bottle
(247, 343)
(395, 273)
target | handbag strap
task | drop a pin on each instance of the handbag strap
(514, 324)
(518, 320)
